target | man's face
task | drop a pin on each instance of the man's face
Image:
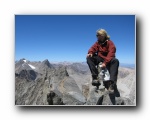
(101, 38)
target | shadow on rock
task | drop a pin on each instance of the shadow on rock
(54, 99)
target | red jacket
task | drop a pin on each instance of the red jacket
(106, 51)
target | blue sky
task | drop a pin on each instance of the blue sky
(68, 37)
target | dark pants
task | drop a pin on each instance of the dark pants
(112, 66)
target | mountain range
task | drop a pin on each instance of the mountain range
(65, 83)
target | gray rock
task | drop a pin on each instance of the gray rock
(27, 74)
(70, 83)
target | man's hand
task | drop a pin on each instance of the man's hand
(103, 65)
(89, 55)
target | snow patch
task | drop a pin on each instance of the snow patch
(25, 61)
(31, 66)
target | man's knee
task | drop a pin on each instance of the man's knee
(115, 60)
(89, 59)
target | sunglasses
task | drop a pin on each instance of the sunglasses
(100, 35)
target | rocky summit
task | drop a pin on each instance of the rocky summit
(45, 83)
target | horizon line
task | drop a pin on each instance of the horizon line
(52, 61)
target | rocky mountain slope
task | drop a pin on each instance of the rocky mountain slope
(44, 83)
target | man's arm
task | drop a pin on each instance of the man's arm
(93, 49)
(111, 53)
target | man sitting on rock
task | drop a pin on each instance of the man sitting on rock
(103, 51)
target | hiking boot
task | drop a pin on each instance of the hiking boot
(111, 88)
(109, 85)
(96, 83)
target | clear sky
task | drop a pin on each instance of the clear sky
(68, 37)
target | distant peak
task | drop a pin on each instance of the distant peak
(23, 60)
(47, 63)
(46, 60)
